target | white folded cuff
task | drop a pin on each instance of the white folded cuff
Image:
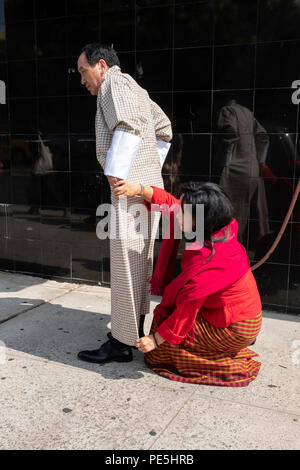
(163, 149)
(123, 149)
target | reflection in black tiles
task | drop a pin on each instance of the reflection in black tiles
(27, 255)
(151, 3)
(55, 190)
(295, 240)
(82, 115)
(234, 67)
(55, 224)
(74, 79)
(160, 36)
(127, 61)
(18, 10)
(222, 99)
(79, 7)
(281, 157)
(278, 195)
(83, 227)
(147, 75)
(83, 154)
(278, 19)
(193, 57)
(2, 41)
(51, 41)
(55, 147)
(5, 187)
(3, 72)
(56, 259)
(24, 154)
(26, 189)
(81, 33)
(272, 283)
(6, 254)
(260, 242)
(235, 22)
(5, 152)
(53, 9)
(276, 65)
(87, 262)
(194, 157)
(25, 222)
(4, 119)
(23, 116)
(122, 35)
(22, 79)
(275, 110)
(53, 115)
(199, 59)
(164, 100)
(105, 191)
(20, 49)
(85, 190)
(294, 289)
(193, 25)
(192, 112)
(52, 77)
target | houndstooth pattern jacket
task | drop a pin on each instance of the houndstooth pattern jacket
(122, 105)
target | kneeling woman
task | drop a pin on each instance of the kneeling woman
(211, 312)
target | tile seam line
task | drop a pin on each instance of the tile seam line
(39, 305)
(172, 419)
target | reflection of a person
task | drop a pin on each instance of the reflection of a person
(243, 153)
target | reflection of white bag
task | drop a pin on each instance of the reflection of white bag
(45, 162)
(163, 149)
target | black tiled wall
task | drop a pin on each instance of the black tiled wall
(193, 57)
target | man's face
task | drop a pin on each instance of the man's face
(91, 77)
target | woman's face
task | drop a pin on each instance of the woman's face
(187, 221)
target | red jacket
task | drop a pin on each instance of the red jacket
(224, 290)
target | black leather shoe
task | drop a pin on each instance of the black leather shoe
(107, 353)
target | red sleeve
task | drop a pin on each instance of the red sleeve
(175, 328)
(160, 197)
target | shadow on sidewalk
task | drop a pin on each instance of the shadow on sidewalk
(53, 332)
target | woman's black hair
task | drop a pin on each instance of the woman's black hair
(218, 210)
(96, 51)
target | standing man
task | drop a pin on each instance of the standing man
(132, 140)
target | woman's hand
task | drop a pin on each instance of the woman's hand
(122, 188)
(145, 344)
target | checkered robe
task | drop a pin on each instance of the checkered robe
(124, 106)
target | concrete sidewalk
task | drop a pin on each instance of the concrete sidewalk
(51, 400)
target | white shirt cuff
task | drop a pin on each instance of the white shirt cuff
(163, 149)
(123, 149)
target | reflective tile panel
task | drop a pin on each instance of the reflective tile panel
(235, 22)
(193, 24)
(160, 37)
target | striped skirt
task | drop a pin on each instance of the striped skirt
(210, 355)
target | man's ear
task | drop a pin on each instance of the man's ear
(103, 65)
